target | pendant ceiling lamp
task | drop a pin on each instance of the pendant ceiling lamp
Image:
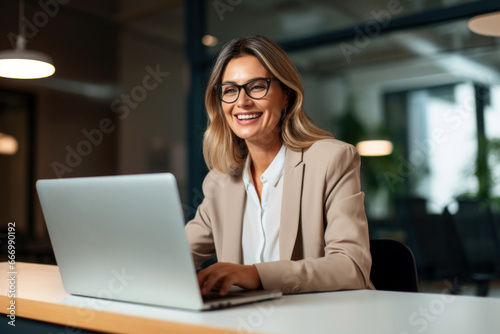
(24, 64)
(486, 24)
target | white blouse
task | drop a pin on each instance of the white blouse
(261, 220)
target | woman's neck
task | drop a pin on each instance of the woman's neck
(263, 155)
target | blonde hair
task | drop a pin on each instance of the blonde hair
(222, 149)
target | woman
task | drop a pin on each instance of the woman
(283, 208)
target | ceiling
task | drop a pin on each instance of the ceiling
(163, 22)
(449, 46)
(291, 19)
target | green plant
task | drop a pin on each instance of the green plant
(488, 157)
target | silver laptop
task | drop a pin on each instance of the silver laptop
(122, 238)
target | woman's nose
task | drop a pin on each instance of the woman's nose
(243, 100)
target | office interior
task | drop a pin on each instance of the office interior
(127, 98)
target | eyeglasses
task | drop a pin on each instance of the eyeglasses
(256, 89)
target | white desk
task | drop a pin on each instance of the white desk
(41, 297)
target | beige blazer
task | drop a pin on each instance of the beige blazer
(323, 236)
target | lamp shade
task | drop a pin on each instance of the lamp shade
(486, 24)
(25, 64)
(374, 148)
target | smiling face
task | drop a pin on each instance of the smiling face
(255, 121)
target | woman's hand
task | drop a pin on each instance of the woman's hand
(222, 275)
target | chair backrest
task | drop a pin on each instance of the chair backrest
(478, 233)
(393, 266)
(441, 253)
(432, 239)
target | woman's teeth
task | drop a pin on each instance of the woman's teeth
(248, 116)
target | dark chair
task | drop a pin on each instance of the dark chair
(434, 243)
(479, 237)
(393, 266)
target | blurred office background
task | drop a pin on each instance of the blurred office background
(127, 97)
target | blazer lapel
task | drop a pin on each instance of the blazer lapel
(290, 203)
(234, 225)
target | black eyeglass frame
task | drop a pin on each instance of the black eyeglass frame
(218, 89)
